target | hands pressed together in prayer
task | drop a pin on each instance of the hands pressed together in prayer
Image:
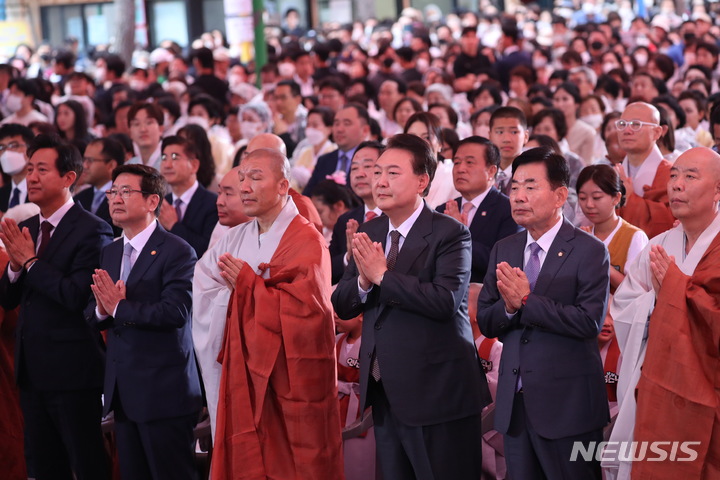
(230, 269)
(370, 260)
(451, 209)
(659, 263)
(350, 230)
(19, 244)
(168, 215)
(513, 285)
(107, 294)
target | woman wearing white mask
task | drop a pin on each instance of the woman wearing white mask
(592, 111)
(316, 142)
(13, 145)
(20, 102)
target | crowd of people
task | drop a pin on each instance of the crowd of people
(443, 247)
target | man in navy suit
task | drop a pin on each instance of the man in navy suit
(350, 127)
(102, 156)
(189, 211)
(361, 169)
(545, 299)
(484, 210)
(58, 357)
(419, 369)
(142, 295)
(14, 139)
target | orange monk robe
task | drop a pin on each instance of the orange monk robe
(306, 208)
(278, 413)
(679, 388)
(12, 457)
(651, 212)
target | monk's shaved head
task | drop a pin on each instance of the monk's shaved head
(641, 111)
(277, 162)
(694, 187)
(267, 140)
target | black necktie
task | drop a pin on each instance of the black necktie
(15, 200)
(45, 229)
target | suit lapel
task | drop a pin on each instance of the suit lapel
(192, 207)
(559, 252)
(62, 230)
(147, 256)
(33, 225)
(113, 258)
(485, 206)
(516, 252)
(415, 243)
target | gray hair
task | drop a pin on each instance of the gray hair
(261, 109)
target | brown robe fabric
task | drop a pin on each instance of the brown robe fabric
(12, 456)
(306, 209)
(651, 211)
(679, 389)
(278, 414)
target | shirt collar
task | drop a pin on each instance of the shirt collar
(104, 188)
(477, 200)
(138, 241)
(22, 186)
(376, 210)
(546, 240)
(349, 153)
(187, 196)
(404, 228)
(56, 217)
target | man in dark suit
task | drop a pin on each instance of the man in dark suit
(484, 210)
(142, 295)
(546, 302)
(59, 358)
(189, 211)
(102, 156)
(350, 127)
(361, 169)
(14, 139)
(419, 369)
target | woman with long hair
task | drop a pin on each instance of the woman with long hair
(71, 122)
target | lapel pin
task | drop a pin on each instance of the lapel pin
(153, 252)
(483, 213)
(560, 254)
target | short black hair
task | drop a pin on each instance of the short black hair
(557, 117)
(423, 158)
(362, 112)
(68, 159)
(115, 64)
(509, 112)
(27, 87)
(213, 108)
(204, 56)
(571, 89)
(111, 149)
(672, 102)
(124, 140)
(152, 111)
(492, 153)
(151, 182)
(556, 167)
(65, 58)
(187, 145)
(16, 130)
(370, 144)
(606, 178)
(294, 87)
(327, 115)
(171, 105)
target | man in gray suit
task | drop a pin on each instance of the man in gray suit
(545, 299)
(419, 369)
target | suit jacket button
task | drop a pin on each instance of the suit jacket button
(378, 326)
(525, 340)
(515, 370)
(503, 325)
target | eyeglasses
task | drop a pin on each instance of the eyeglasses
(11, 146)
(171, 156)
(635, 125)
(124, 192)
(93, 160)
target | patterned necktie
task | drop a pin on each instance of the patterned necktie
(15, 200)
(370, 215)
(391, 259)
(98, 197)
(501, 181)
(466, 209)
(45, 229)
(343, 162)
(126, 262)
(532, 269)
(178, 211)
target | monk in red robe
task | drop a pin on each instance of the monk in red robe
(678, 394)
(277, 413)
(12, 459)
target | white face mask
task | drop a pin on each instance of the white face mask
(539, 62)
(137, 85)
(286, 69)
(11, 162)
(422, 65)
(167, 120)
(314, 136)
(641, 59)
(202, 121)
(13, 103)
(607, 67)
(250, 129)
(594, 120)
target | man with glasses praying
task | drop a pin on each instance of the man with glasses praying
(644, 171)
(14, 139)
(142, 296)
(102, 156)
(189, 211)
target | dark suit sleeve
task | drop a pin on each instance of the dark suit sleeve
(491, 317)
(338, 249)
(346, 297)
(325, 166)
(439, 297)
(585, 317)
(173, 309)
(481, 250)
(70, 287)
(198, 232)
(89, 312)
